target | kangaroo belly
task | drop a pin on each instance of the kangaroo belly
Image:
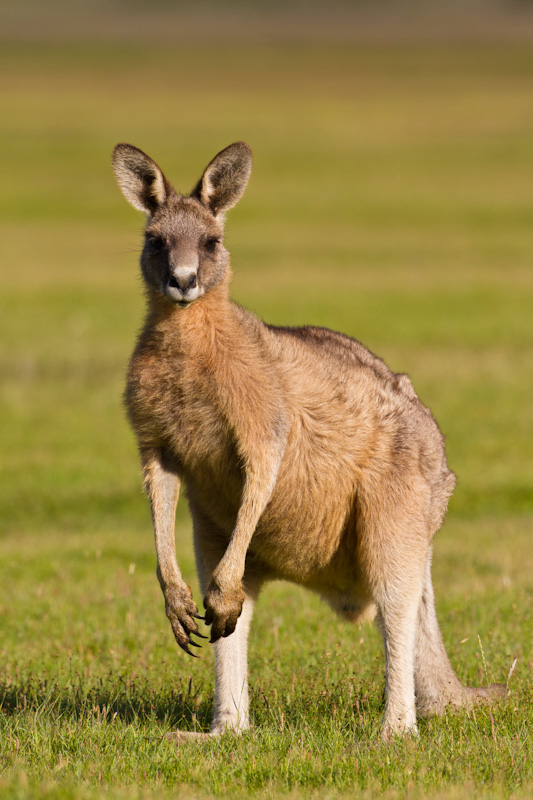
(300, 533)
(299, 538)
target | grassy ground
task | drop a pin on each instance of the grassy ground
(391, 199)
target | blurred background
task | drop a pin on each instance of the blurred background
(391, 198)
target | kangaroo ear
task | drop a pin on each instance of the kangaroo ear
(225, 178)
(140, 180)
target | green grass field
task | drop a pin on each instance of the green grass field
(391, 199)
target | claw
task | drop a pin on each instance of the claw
(198, 616)
(197, 633)
(230, 627)
(186, 648)
(193, 644)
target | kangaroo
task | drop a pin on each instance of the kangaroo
(304, 457)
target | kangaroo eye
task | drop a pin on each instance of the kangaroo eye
(211, 244)
(156, 242)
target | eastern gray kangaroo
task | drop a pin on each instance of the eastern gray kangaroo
(303, 456)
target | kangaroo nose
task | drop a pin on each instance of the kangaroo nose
(183, 282)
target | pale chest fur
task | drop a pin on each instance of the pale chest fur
(172, 402)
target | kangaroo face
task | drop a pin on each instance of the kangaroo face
(183, 255)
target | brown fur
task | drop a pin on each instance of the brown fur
(303, 456)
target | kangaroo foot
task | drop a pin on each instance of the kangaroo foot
(475, 695)
(179, 737)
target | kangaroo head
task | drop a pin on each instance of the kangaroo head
(183, 255)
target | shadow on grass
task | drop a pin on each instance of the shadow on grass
(128, 699)
(188, 707)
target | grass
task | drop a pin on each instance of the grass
(391, 199)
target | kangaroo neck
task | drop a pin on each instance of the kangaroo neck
(205, 325)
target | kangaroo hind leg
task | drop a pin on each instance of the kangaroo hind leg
(436, 683)
(231, 681)
(393, 552)
(231, 652)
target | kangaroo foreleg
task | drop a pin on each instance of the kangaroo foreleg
(162, 484)
(225, 595)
